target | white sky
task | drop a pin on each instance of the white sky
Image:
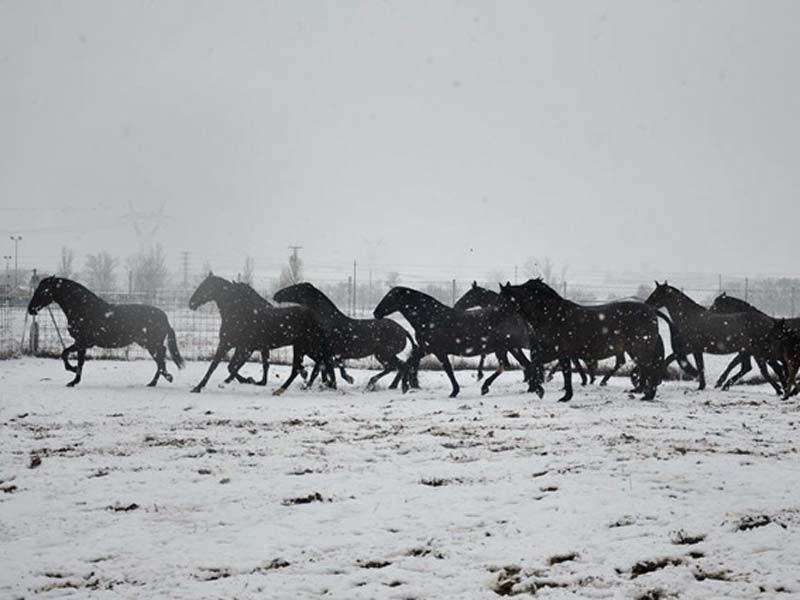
(625, 135)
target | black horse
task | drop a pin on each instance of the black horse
(478, 296)
(353, 338)
(701, 330)
(592, 332)
(250, 324)
(442, 330)
(725, 304)
(91, 321)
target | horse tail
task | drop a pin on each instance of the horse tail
(172, 344)
(678, 346)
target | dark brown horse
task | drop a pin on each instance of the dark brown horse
(249, 325)
(353, 338)
(592, 332)
(701, 330)
(91, 321)
(441, 330)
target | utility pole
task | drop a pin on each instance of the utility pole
(8, 275)
(515, 274)
(746, 288)
(719, 283)
(185, 265)
(355, 302)
(793, 311)
(16, 239)
(350, 295)
(454, 292)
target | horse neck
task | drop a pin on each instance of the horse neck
(489, 298)
(679, 304)
(424, 307)
(76, 300)
(323, 305)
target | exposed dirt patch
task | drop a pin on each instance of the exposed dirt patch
(425, 551)
(748, 522)
(373, 564)
(314, 497)
(560, 558)
(438, 481)
(648, 566)
(123, 507)
(680, 537)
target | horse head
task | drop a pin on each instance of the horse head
(209, 289)
(44, 294)
(394, 300)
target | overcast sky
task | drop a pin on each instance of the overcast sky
(629, 135)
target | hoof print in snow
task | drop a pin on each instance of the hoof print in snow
(682, 538)
(540, 474)
(98, 473)
(36, 461)
(438, 481)
(301, 472)
(623, 521)
(654, 594)
(748, 522)
(549, 488)
(122, 507)
(511, 581)
(425, 551)
(648, 566)
(9, 488)
(560, 558)
(315, 497)
(373, 564)
(225, 480)
(213, 573)
(701, 574)
(394, 583)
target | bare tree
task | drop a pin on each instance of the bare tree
(149, 270)
(100, 271)
(65, 264)
(249, 268)
(292, 273)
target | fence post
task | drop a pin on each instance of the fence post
(746, 288)
(793, 311)
(454, 292)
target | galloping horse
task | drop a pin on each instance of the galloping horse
(702, 330)
(591, 332)
(249, 323)
(91, 321)
(441, 330)
(724, 304)
(353, 338)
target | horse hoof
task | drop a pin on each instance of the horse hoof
(151, 384)
(348, 379)
(453, 394)
(565, 399)
(196, 389)
(484, 391)
(278, 392)
(167, 376)
(72, 384)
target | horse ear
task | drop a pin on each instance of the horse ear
(210, 273)
(474, 283)
(666, 282)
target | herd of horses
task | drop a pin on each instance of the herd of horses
(530, 317)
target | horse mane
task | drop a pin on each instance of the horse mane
(320, 297)
(249, 291)
(538, 285)
(70, 287)
(418, 294)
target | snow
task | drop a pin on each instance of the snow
(412, 496)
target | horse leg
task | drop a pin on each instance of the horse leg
(502, 365)
(617, 365)
(222, 350)
(552, 371)
(297, 363)
(64, 356)
(410, 371)
(390, 363)
(240, 357)
(746, 367)
(448, 368)
(159, 355)
(566, 371)
(591, 369)
(79, 368)
(480, 366)
(265, 368)
(580, 370)
(344, 374)
(737, 360)
(762, 366)
(701, 369)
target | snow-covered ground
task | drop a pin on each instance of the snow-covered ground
(115, 490)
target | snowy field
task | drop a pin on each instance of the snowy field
(115, 490)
